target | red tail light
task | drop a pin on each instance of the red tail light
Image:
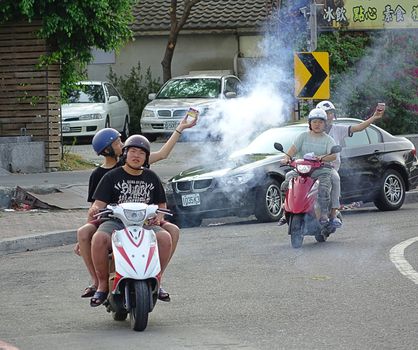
(414, 152)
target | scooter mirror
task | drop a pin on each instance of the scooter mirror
(278, 146)
(336, 149)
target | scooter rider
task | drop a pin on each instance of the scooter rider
(131, 182)
(314, 141)
(338, 132)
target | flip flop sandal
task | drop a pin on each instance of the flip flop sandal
(89, 291)
(98, 298)
(163, 295)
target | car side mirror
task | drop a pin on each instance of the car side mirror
(336, 149)
(152, 96)
(230, 94)
(113, 99)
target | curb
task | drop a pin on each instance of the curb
(37, 241)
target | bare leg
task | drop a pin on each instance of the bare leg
(84, 236)
(174, 232)
(164, 249)
(101, 244)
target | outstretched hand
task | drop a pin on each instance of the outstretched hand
(186, 124)
(379, 111)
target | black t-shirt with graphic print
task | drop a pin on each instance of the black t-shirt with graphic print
(117, 186)
(95, 178)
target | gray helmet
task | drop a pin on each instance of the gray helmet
(138, 141)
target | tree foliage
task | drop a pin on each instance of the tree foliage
(72, 28)
(367, 68)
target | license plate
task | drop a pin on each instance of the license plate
(190, 199)
(66, 127)
(171, 125)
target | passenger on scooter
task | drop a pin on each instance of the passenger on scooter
(314, 141)
(131, 182)
(107, 143)
(338, 132)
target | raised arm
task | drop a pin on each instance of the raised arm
(378, 113)
(169, 145)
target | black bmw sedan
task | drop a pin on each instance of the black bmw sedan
(375, 167)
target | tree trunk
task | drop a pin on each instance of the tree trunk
(175, 27)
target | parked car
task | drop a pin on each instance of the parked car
(201, 91)
(375, 167)
(92, 106)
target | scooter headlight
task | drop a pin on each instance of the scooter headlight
(303, 168)
(134, 215)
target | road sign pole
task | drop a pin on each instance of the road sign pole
(313, 26)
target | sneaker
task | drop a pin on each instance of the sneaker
(323, 220)
(335, 222)
(282, 221)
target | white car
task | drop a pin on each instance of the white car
(201, 91)
(93, 106)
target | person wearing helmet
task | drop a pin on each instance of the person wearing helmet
(107, 143)
(338, 132)
(131, 182)
(315, 141)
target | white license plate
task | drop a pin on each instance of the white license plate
(66, 127)
(190, 199)
(171, 125)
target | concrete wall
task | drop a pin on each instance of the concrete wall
(193, 52)
(22, 155)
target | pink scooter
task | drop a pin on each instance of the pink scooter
(301, 200)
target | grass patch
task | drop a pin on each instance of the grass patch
(73, 161)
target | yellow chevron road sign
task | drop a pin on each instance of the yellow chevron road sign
(311, 75)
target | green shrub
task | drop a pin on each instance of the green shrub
(135, 88)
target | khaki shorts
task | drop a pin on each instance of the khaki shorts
(111, 225)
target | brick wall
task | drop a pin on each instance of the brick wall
(29, 96)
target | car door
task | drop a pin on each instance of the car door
(361, 169)
(116, 110)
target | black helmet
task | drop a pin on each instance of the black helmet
(137, 141)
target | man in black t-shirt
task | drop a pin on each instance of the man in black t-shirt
(129, 183)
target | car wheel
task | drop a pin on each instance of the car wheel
(125, 132)
(150, 137)
(269, 202)
(391, 192)
(185, 221)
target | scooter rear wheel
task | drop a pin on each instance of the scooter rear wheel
(141, 308)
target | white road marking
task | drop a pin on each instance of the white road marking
(397, 256)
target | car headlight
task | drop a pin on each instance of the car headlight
(146, 113)
(134, 215)
(303, 168)
(90, 116)
(239, 179)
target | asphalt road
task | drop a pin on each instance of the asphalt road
(236, 285)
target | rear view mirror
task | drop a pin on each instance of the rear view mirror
(278, 146)
(151, 96)
(113, 99)
(230, 94)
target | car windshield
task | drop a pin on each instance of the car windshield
(191, 88)
(87, 94)
(264, 143)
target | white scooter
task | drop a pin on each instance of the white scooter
(135, 269)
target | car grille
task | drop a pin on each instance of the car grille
(197, 185)
(167, 113)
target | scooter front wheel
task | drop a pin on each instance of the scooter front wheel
(296, 230)
(141, 308)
